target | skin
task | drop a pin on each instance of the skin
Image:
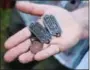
(18, 45)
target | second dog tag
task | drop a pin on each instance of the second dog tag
(52, 25)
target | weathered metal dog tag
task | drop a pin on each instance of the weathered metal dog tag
(52, 25)
(40, 32)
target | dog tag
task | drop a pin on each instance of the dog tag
(52, 25)
(40, 32)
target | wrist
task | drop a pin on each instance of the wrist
(81, 17)
(85, 33)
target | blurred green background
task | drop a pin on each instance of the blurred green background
(5, 20)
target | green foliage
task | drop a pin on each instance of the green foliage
(5, 20)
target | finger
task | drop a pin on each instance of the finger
(16, 51)
(45, 46)
(17, 38)
(26, 57)
(51, 50)
(32, 8)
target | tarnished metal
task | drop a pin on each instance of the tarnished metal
(52, 25)
(40, 32)
(36, 47)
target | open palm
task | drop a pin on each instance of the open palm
(19, 43)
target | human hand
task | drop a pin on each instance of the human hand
(19, 43)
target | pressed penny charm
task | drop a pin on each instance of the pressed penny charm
(36, 47)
